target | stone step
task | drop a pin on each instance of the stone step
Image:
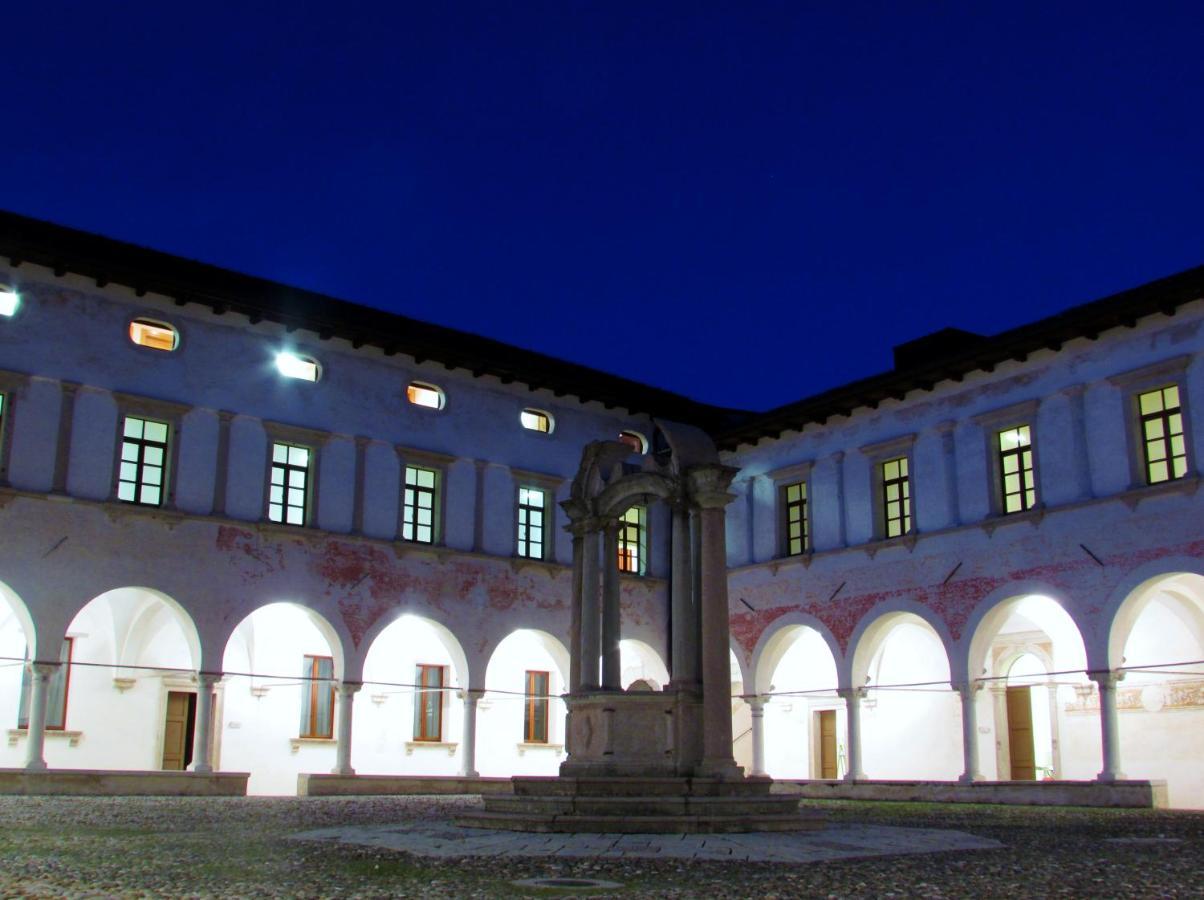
(643, 806)
(627, 786)
(570, 824)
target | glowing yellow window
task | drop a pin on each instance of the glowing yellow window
(424, 395)
(536, 420)
(156, 335)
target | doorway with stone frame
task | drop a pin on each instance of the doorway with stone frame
(179, 725)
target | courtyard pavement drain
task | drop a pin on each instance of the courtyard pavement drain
(833, 842)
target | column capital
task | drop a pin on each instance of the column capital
(757, 703)
(43, 669)
(969, 687)
(853, 693)
(1106, 679)
(709, 486)
(348, 688)
(208, 679)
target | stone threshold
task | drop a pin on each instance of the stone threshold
(1130, 793)
(123, 783)
(326, 785)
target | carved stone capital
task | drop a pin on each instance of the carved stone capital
(709, 486)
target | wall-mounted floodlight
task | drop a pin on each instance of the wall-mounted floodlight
(292, 366)
(10, 301)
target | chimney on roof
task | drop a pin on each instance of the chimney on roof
(932, 348)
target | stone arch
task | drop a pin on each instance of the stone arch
(629, 490)
(333, 636)
(996, 608)
(651, 666)
(464, 672)
(553, 645)
(777, 640)
(21, 613)
(1131, 596)
(877, 624)
(129, 640)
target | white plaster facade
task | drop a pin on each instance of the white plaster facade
(900, 640)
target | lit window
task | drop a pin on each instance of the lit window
(425, 395)
(1016, 469)
(288, 493)
(156, 335)
(10, 301)
(535, 708)
(317, 697)
(536, 420)
(418, 505)
(633, 535)
(896, 497)
(56, 695)
(532, 505)
(304, 368)
(633, 439)
(794, 513)
(428, 703)
(1162, 434)
(142, 469)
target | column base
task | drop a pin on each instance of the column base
(470, 773)
(201, 768)
(1110, 777)
(37, 765)
(347, 771)
(969, 779)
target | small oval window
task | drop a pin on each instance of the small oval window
(633, 439)
(156, 335)
(536, 420)
(305, 368)
(424, 395)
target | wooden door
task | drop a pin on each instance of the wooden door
(177, 730)
(827, 743)
(1020, 734)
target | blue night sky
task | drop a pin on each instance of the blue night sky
(746, 203)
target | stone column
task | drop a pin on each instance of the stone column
(468, 766)
(575, 616)
(852, 701)
(612, 675)
(709, 489)
(590, 639)
(684, 668)
(1109, 724)
(756, 706)
(346, 691)
(40, 674)
(968, 693)
(202, 739)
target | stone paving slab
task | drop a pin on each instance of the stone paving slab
(834, 842)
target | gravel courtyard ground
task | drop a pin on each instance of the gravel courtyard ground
(152, 847)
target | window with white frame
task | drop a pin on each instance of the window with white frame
(1163, 442)
(1017, 472)
(896, 497)
(633, 540)
(532, 522)
(793, 503)
(535, 707)
(142, 467)
(420, 505)
(289, 487)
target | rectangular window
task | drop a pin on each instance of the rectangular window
(317, 697)
(531, 514)
(1162, 437)
(141, 474)
(428, 703)
(794, 518)
(288, 494)
(535, 716)
(633, 540)
(896, 497)
(56, 694)
(418, 505)
(1017, 481)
